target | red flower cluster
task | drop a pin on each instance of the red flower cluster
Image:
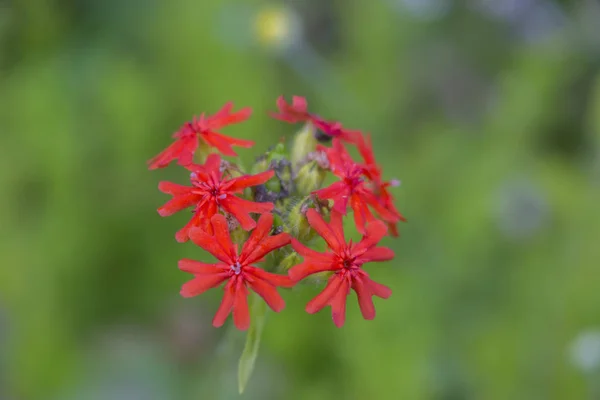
(223, 200)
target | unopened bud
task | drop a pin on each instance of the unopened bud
(309, 178)
(304, 144)
(297, 224)
(289, 261)
(270, 157)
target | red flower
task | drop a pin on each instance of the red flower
(373, 171)
(298, 112)
(236, 269)
(210, 193)
(351, 188)
(204, 127)
(345, 260)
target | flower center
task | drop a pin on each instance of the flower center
(349, 263)
(236, 268)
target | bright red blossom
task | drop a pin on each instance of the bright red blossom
(187, 137)
(210, 193)
(373, 171)
(236, 269)
(298, 112)
(346, 261)
(351, 188)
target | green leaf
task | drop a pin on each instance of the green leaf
(258, 309)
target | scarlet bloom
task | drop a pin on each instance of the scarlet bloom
(298, 112)
(187, 137)
(351, 188)
(236, 269)
(210, 193)
(373, 171)
(346, 261)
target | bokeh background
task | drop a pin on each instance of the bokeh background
(487, 110)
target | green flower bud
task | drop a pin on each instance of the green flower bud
(270, 157)
(304, 144)
(289, 261)
(309, 178)
(296, 222)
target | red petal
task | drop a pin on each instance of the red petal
(365, 299)
(202, 283)
(361, 213)
(377, 254)
(377, 289)
(292, 113)
(213, 164)
(375, 231)
(332, 191)
(197, 267)
(273, 279)
(365, 147)
(318, 224)
(323, 298)
(385, 214)
(337, 225)
(268, 245)
(268, 293)
(234, 141)
(223, 112)
(173, 152)
(179, 203)
(241, 210)
(338, 304)
(183, 235)
(221, 232)
(200, 219)
(350, 136)
(219, 143)
(173, 188)
(310, 253)
(263, 228)
(393, 227)
(224, 116)
(223, 143)
(306, 268)
(226, 305)
(238, 184)
(299, 104)
(210, 244)
(241, 313)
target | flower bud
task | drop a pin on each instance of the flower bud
(296, 222)
(289, 261)
(304, 144)
(269, 158)
(309, 178)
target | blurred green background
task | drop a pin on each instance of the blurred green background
(487, 110)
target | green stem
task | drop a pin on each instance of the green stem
(258, 309)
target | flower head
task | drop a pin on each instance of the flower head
(210, 193)
(236, 269)
(187, 137)
(380, 187)
(345, 260)
(297, 111)
(351, 189)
